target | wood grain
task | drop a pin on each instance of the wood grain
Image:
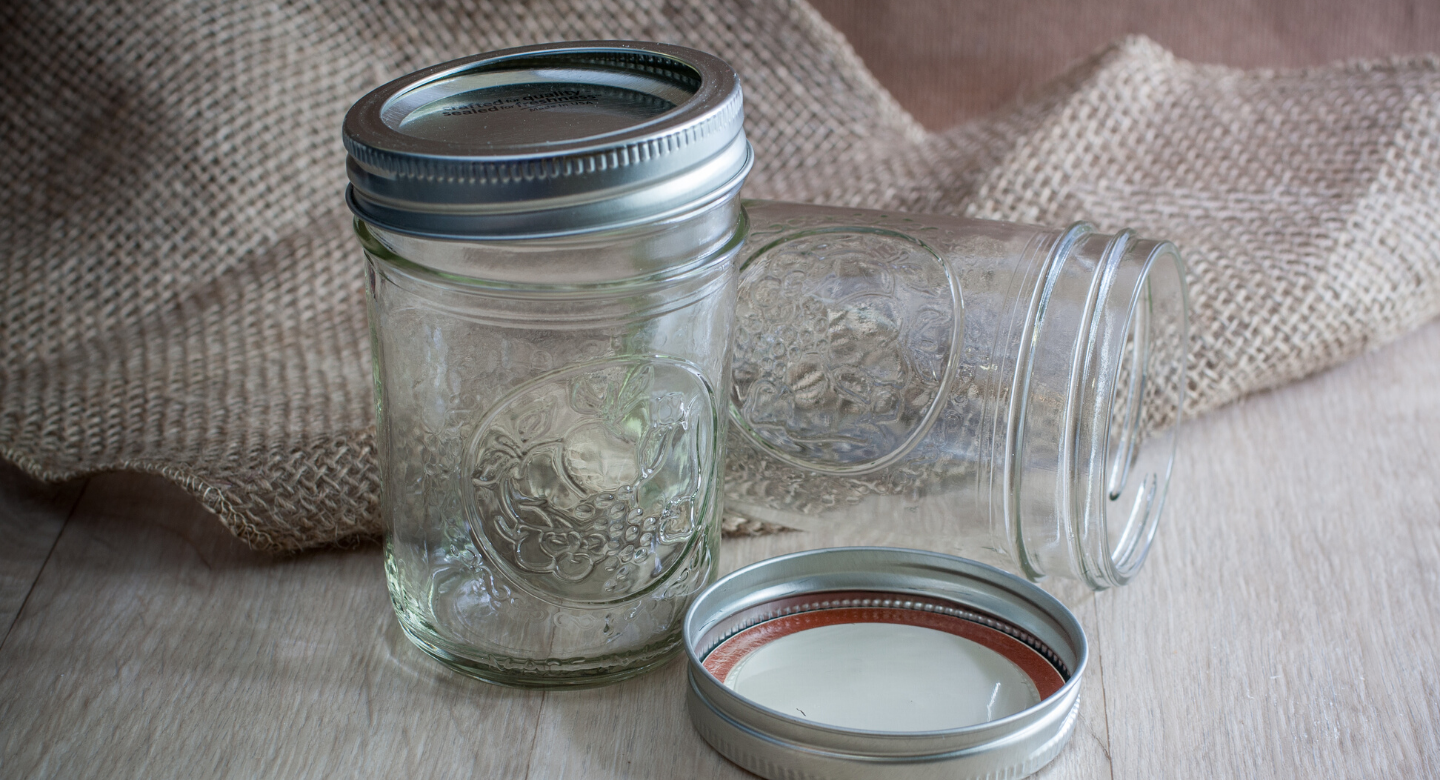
(1287, 623)
(156, 645)
(32, 514)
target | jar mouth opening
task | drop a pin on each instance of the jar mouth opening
(1141, 402)
(619, 91)
(1088, 475)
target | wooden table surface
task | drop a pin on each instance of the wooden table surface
(1285, 626)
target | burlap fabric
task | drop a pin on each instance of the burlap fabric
(182, 295)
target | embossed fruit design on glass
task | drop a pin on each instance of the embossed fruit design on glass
(549, 237)
(590, 483)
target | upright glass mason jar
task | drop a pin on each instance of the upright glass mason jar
(1005, 391)
(550, 234)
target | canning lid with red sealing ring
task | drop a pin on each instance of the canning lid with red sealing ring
(871, 662)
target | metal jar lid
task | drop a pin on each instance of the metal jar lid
(547, 140)
(962, 602)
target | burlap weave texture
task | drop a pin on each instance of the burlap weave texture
(183, 296)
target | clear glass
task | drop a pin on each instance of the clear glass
(1004, 391)
(550, 420)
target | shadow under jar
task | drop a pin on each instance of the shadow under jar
(550, 235)
(1005, 391)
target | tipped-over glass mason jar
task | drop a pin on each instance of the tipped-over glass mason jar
(550, 235)
(1005, 391)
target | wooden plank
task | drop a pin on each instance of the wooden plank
(32, 514)
(1088, 754)
(1286, 626)
(637, 729)
(156, 645)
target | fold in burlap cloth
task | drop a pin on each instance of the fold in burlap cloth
(182, 294)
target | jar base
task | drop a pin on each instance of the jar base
(551, 673)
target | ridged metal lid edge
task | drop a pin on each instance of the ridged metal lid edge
(776, 745)
(493, 185)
